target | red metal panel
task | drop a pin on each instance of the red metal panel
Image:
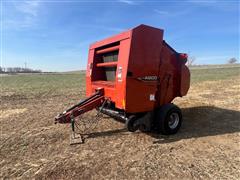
(89, 73)
(110, 49)
(185, 80)
(113, 39)
(109, 91)
(144, 61)
(123, 59)
(107, 64)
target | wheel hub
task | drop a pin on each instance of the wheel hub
(174, 121)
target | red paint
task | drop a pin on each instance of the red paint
(107, 64)
(107, 50)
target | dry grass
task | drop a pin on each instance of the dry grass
(11, 112)
(207, 146)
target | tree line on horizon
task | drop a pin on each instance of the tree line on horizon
(18, 70)
(192, 59)
(190, 62)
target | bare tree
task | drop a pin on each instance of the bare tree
(232, 61)
(191, 61)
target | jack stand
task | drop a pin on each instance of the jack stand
(75, 138)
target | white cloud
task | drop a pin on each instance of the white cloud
(202, 1)
(161, 12)
(228, 6)
(25, 22)
(28, 7)
(172, 14)
(25, 14)
(102, 27)
(127, 2)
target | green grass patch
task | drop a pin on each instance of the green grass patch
(213, 74)
(40, 84)
(60, 84)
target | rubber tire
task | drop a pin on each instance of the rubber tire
(130, 123)
(162, 118)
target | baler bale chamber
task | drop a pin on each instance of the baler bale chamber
(133, 77)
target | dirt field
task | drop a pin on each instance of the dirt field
(32, 146)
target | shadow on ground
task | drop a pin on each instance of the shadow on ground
(198, 122)
(106, 133)
(204, 121)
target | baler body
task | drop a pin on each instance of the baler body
(137, 70)
(133, 77)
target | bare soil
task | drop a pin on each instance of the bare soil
(206, 147)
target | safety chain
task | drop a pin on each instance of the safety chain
(85, 125)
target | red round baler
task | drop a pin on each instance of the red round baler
(133, 77)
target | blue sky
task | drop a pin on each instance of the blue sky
(55, 35)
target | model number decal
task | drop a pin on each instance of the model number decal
(148, 78)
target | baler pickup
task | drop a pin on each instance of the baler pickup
(87, 104)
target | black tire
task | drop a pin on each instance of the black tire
(168, 119)
(131, 124)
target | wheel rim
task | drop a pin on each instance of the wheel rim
(173, 120)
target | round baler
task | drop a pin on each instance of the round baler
(133, 77)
